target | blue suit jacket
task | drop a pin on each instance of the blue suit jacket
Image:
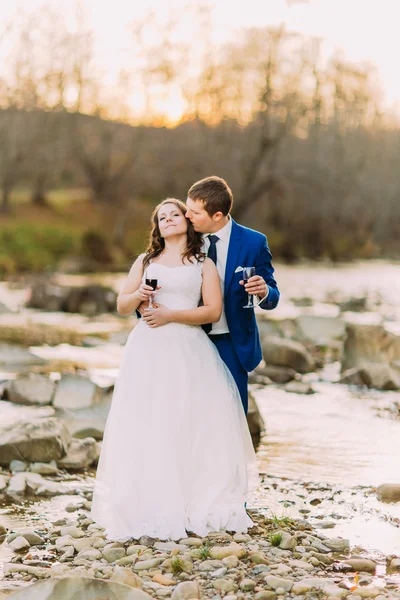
(247, 248)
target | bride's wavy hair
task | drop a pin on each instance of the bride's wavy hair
(156, 243)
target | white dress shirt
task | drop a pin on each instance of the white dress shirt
(222, 246)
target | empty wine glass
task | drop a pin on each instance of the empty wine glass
(247, 273)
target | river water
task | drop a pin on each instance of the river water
(322, 454)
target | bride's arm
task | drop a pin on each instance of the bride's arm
(133, 292)
(210, 312)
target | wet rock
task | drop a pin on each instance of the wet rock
(44, 468)
(87, 300)
(19, 544)
(230, 562)
(90, 554)
(369, 591)
(15, 357)
(369, 344)
(300, 564)
(275, 582)
(225, 585)
(87, 422)
(17, 466)
(29, 534)
(362, 564)
(163, 580)
(373, 375)
(17, 484)
(125, 576)
(257, 558)
(43, 487)
(145, 565)
(39, 572)
(38, 440)
(276, 374)
(211, 565)
(288, 541)
(32, 389)
(187, 590)
(333, 591)
(168, 546)
(196, 542)
(72, 530)
(299, 387)
(265, 595)
(242, 538)
(77, 391)
(81, 453)
(220, 552)
(393, 563)
(254, 419)
(320, 331)
(306, 585)
(3, 482)
(247, 585)
(287, 353)
(113, 554)
(80, 588)
(389, 492)
(337, 544)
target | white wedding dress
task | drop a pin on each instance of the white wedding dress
(177, 456)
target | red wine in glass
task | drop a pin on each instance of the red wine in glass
(153, 284)
(247, 273)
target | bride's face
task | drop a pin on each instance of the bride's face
(171, 221)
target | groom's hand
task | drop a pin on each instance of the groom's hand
(158, 317)
(256, 286)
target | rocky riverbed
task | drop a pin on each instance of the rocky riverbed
(325, 421)
(279, 558)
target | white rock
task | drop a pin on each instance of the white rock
(20, 543)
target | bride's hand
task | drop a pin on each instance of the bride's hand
(158, 317)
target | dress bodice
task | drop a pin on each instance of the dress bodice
(180, 286)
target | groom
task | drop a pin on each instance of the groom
(232, 247)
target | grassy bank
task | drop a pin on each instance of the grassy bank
(36, 239)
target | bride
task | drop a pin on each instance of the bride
(177, 456)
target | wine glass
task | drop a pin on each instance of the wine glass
(247, 273)
(153, 284)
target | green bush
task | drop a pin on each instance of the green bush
(28, 247)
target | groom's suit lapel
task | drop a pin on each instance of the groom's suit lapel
(234, 248)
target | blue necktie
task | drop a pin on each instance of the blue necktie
(212, 253)
(212, 250)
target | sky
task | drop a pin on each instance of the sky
(364, 30)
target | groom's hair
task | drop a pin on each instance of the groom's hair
(215, 194)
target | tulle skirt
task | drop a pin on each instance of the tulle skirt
(177, 455)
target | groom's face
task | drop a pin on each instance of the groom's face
(199, 217)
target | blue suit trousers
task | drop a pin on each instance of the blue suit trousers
(229, 356)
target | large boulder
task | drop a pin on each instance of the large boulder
(369, 344)
(287, 353)
(87, 422)
(389, 492)
(14, 357)
(255, 420)
(76, 392)
(78, 588)
(81, 454)
(88, 300)
(32, 389)
(320, 331)
(36, 440)
(374, 375)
